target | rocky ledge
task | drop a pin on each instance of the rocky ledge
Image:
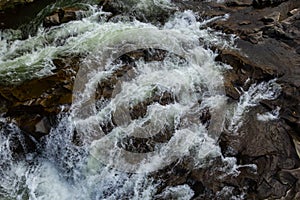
(268, 47)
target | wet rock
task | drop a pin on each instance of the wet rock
(268, 146)
(140, 109)
(52, 20)
(294, 11)
(63, 15)
(18, 143)
(266, 3)
(32, 103)
(148, 11)
(244, 72)
(267, 49)
(244, 23)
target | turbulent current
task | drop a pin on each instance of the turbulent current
(179, 91)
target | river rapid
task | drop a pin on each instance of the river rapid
(102, 166)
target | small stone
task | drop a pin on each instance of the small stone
(43, 126)
(69, 14)
(274, 17)
(255, 38)
(52, 20)
(294, 11)
(297, 146)
(244, 23)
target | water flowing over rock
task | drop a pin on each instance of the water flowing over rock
(254, 154)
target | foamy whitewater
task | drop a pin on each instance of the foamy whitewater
(99, 168)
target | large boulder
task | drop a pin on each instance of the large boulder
(63, 15)
(34, 103)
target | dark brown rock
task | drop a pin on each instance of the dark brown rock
(62, 15)
(269, 146)
(154, 13)
(32, 103)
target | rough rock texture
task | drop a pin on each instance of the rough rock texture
(148, 11)
(267, 48)
(35, 102)
(62, 15)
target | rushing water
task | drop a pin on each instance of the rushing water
(99, 168)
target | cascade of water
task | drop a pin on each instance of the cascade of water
(104, 165)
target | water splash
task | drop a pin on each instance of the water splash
(268, 116)
(263, 91)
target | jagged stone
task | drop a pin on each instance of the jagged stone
(62, 15)
(273, 17)
(33, 102)
(267, 49)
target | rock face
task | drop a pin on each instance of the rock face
(268, 47)
(34, 103)
(145, 11)
(62, 15)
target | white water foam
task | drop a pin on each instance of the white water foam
(269, 116)
(263, 91)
